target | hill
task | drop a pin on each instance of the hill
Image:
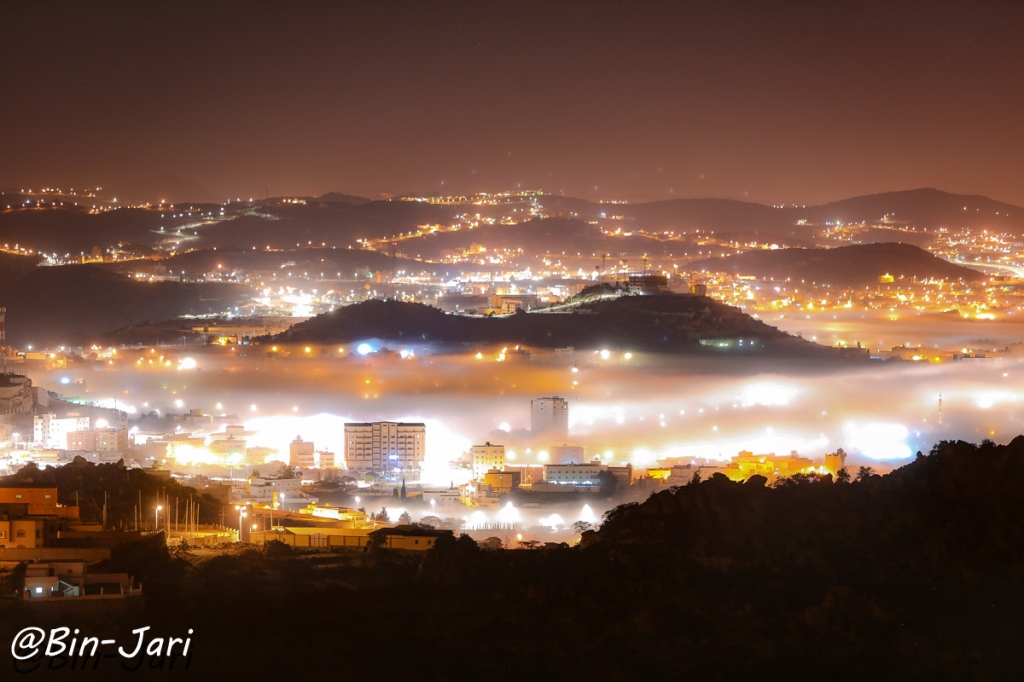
(915, 575)
(340, 198)
(73, 303)
(924, 208)
(669, 323)
(15, 267)
(844, 267)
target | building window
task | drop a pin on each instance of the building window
(3, 534)
(21, 533)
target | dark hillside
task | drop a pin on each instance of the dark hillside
(71, 303)
(669, 323)
(845, 267)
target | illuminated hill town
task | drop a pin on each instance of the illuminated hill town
(572, 341)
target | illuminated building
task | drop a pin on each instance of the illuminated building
(300, 453)
(834, 462)
(574, 474)
(51, 432)
(384, 446)
(98, 440)
(29, 516)
(487, 457)
(549, 417)
(771, 466)
(502, 482)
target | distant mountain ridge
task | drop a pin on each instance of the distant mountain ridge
(341, 198)
(852, 266)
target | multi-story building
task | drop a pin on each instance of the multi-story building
(51, 432)
(384, 446)
(98, 440)
(503, 482)
(549, 417)
(487, 457)
(300, 453)
(574, 474)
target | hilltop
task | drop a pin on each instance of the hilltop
(72, 303)
(844, 267)
(668, 323)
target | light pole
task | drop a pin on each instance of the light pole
(156, 517)
(241, 515)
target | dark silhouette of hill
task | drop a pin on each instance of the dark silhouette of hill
(70, 304)
(669, 323)
(335, 224)
(15, 267)
(341, 198)
(846, 267)
(913, 575)
(924, 208)
(920, 208)
(153, 190)
(74, 230)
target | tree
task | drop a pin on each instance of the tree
(405, 519)
(609, 483)
(865, 473)
(843, 476)
(382, 515)
(430, 522)
(580, 527)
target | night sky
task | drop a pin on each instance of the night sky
(772, 102)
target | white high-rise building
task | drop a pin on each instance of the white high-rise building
(384, 446)
(549, 417)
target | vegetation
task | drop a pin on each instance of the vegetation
(913, 575)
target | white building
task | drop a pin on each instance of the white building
(487, 457)
(573, 474)
(274, 492)
(51, 432)
(384, 446)
(549, 417)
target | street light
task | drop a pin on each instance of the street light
(156, 516)
(241, 515)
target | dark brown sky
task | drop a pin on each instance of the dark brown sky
(785, 101)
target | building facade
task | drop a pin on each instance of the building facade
(487, 457)
(549, 417)
(384, 446)
(300, 453)
(51, 432)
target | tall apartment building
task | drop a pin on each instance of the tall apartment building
(384, 446)
(487, 457)
(549, 417)
(51, 432)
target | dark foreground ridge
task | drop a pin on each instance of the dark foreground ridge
(667, 323)
(913, 575)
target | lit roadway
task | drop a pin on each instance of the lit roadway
(1015, 269)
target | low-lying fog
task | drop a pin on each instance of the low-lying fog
(636, 410)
